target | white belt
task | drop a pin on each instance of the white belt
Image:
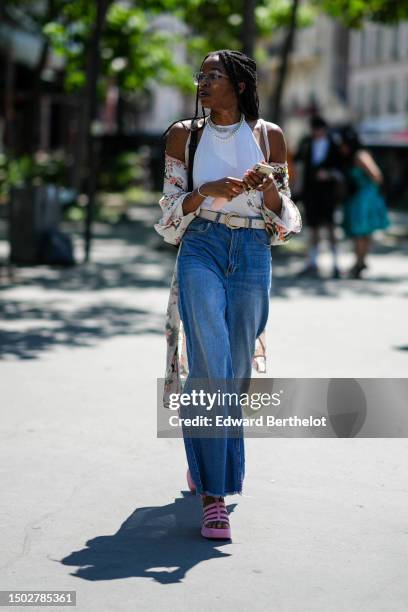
(232, 220)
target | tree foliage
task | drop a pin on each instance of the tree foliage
(353, 12)
(135, 50)
(218, 24)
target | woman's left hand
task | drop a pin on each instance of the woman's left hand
(253, 179)
(267, 185)
(259, 181)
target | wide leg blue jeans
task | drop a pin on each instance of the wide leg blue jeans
(224, 278)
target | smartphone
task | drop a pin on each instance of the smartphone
(264, 168)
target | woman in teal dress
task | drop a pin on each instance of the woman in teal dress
(365, 210)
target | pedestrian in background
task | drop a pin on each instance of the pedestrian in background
(321, 161)
(365, 210)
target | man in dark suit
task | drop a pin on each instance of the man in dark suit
(320, 157)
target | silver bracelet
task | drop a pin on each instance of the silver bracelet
(201, 194)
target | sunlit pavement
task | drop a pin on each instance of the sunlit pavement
(92, 501)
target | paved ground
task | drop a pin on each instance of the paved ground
(92, 501)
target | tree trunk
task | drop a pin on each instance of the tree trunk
(9, 113)
(35, 108)
(248, 27)
(283, 68)
(34, 137)
(92, 73)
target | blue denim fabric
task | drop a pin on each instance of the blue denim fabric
(224, 278)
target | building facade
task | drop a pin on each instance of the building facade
(317, 77)
(378, 82)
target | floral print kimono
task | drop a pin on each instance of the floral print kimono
(172, 226)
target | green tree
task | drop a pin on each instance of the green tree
(352, 13)
(100, 41)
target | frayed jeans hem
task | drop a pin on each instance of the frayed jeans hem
(209, 494)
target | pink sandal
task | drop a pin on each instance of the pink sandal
(215, 511)
(190, 482)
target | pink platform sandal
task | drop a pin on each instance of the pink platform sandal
(216, 511)
(190, 482)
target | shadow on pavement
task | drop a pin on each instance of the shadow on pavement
(131, 258)
(84, 326)
(84, 307)
(161, 543)
(326, 287)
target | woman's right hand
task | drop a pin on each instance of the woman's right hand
(227, 187)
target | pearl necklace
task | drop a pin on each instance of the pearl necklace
(222, 129)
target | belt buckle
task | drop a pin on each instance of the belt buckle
(228, 218)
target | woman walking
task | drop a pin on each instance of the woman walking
(225, 222)
(365, 210)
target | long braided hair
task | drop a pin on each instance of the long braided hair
(239, 67)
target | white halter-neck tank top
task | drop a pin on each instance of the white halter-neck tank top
(217, 157)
